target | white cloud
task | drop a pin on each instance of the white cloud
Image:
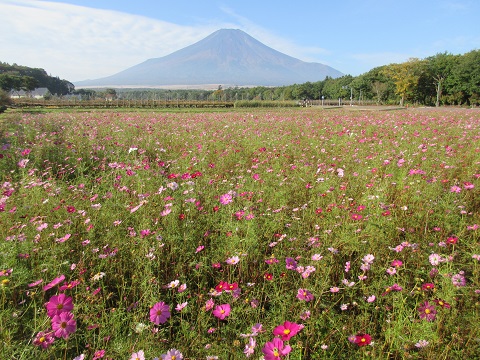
(78, 43)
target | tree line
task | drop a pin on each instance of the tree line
(442, 79)
(16, 78)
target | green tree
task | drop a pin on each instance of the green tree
(466, 78)
(29, 83)
(405, 76)
(4, 100)
(439, 68)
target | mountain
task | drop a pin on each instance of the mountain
(226, 57)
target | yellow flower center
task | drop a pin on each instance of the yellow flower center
(42, 339)
(363, 340)
(276, 352)
(60, 306)
(286, 331)
(427, 311)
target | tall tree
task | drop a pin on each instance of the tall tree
(405, 75)
(440, 67)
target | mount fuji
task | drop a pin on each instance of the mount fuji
(227, 57)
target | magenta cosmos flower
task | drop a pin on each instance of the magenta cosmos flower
(427, 311)
(44, 339)
(304, 294)
(226, 199)
(54, 282)
(362, 339)
(287, 330)
(442, 303)
(59, 304)
(275, 349)
(63, 325)
(159, 313)
(222, 311)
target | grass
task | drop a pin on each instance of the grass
(373, 213)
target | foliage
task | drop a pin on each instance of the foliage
(16, 77)
(4, 100)
(405, 77)
(322, 234)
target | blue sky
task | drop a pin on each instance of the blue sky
(88, 39)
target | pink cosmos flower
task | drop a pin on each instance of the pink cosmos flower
(98, 354)
(275, 349)
(455, 189)
(172, 354)
(54, 282)
(139, 355)
(397, 263)
(304, 294)
(70, 285)
(63, 325)
(356, 217)
(23, 163)
(44, 339)
(181, 306)
(391, 271)
(421, 344)
(305, 315)
(368, 259)
(209, 304)
(35, 283)
(459, 280)
(222, 311)
(59, 304)
(233, 260)
(6, 272)
(394, 287)
(226, 199)
(290, 263)
(468, 185)
(250, 347)
(287, 330)
(435, 259)
(159, 313)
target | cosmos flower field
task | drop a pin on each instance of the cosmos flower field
(275, 234)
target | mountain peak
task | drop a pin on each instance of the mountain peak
(227, 57)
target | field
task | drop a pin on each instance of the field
(283, 233)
